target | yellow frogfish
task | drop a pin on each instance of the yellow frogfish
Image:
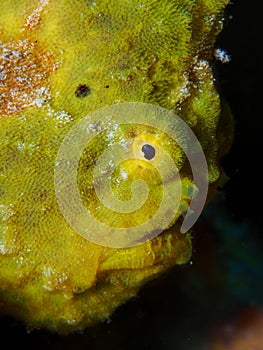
(60, 61)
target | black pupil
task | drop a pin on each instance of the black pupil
(149, 151)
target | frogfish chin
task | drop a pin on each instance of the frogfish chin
(61, 62)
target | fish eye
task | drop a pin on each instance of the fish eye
(149, 151)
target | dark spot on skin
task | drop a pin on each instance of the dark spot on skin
(43, 195)
(1, 192)
(149, 151)
(107, 86)
(82, 90)
(132, 134)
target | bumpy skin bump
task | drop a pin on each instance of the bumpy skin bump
(151, 51)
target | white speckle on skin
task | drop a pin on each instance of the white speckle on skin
(94, 127)
(125, 144)
(5, 212)
(124, 175)
(61, 116)
(222, 55)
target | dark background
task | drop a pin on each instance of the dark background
(182, 309)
